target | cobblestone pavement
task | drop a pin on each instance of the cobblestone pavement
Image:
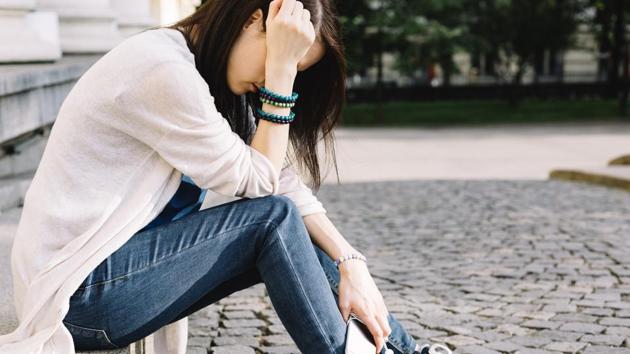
(483, 266)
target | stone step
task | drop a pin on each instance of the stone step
(8, 321)
(40, 87)
(13, 189)
(25, 155)
(616, 176)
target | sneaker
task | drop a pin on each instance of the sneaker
(432, 349)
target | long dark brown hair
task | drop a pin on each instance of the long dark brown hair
(215, 27)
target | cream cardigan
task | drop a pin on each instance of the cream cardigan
(132, 124)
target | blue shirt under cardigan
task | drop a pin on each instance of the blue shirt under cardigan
(187, 199)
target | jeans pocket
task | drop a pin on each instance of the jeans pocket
(86, 338)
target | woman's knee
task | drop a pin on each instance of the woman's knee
(282, 208)
(284, 218)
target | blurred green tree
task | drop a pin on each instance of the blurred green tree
(431, 32)
(518, 29)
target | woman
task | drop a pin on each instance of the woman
(115, 242)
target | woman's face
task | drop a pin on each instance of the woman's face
(246, 63)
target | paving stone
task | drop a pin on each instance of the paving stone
(196, 350)
(513, 329)
(534, 351)
(613, 321)
(199, 341)
(607, 339)
(570, 347)
(559, 335)
(491, 312)
(459, 340)
(233, 349)
(622, 331)
(239, 314)
(600, 349)
(475, 349)
(622, 314)
(504, 346)
(541, 324)
(582, 327)
(599, 312)
(576, 317)
(243, 323)
(619, 305)
(277, 329)
(277, 340)
(284, 349)
(535, 315)
(240, 340)
(613, 297)
(559, 308)
(530, 341)
(240, 331)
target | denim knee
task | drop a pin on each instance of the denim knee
(281, 208)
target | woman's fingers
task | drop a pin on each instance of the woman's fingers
(383, 317)
(366, 314)
(375, 329)
(287, 8)
(274, 7)
(297, 10)
(383, 323)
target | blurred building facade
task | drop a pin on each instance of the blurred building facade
(45, 30)
(577, 64)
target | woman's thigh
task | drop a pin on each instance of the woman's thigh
(162, 272)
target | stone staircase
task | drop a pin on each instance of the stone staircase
(30, 96)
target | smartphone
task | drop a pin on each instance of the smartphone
(359, 340)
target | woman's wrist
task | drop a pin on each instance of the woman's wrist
(351, 266)
(280, 79)
(350, 259)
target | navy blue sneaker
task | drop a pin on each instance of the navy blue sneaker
(432, 349)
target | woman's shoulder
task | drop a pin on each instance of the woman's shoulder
(144, 60)
(137, 55)
(154, 46)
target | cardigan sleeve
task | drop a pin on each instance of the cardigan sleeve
(169, 107)
(291, 185)
(302, 196)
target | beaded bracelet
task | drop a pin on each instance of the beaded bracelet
(274, 117)
(272, 96)
(276, 103)
(350, 256)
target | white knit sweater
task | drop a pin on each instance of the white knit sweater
(133, 123)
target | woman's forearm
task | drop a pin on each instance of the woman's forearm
(325, 235)
(271, 139)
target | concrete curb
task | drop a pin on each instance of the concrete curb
(609, 177)
(621, 160)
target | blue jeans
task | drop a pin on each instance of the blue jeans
(173, 270)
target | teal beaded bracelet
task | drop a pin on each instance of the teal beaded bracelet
(274, 117)
(350, 256)
(270, 95)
